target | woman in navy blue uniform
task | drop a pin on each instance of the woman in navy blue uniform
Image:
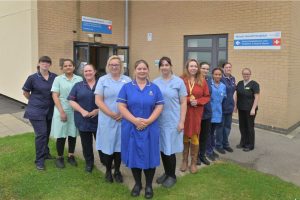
(206, 118)
(223, 131)
(247, 95)
(82, 100)
(39, 111)
(140, 103)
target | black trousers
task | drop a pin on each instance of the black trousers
(42, 131)
(169, 163)
(87, 146)
(60, 145)
(246, 125)
(205, 131)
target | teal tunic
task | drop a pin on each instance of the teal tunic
(170, 140)
(63, 86)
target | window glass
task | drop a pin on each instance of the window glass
(205, 42)
(200, 56)
(222, 42)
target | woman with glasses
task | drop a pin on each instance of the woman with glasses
(247, 96)
(108, 139)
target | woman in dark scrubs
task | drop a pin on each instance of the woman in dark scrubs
(247, 96)
(39, 111)
(82, 100)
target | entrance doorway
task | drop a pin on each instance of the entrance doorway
(97, 54)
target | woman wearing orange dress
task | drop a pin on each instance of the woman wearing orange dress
(198, 96)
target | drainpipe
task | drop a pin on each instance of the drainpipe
(126, 24)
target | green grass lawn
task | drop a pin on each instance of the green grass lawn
(20, 180)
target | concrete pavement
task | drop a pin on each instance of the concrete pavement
(274, 153)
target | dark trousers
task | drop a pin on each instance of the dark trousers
(42, 131)
(87, 146)
(205, 131)
(211, 139)
(169, 163)
(60, 145)
(137, 175)
(246, 125)
(223, 131)
(108, 159)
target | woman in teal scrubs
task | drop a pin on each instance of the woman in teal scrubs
(140, 103)
(63, 124)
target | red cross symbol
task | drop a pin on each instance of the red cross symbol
(277, 42)
(109, 27)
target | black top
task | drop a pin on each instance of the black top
(245, 94)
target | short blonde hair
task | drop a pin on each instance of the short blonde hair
(114, 57)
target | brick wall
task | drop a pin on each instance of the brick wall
(170, 21)
(58, 19)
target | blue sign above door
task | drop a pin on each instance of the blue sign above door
(89, 24)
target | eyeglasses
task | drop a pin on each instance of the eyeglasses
(114, 65)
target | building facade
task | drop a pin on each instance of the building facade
(178, 29)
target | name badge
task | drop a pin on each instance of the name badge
(151, 93)
(247, 88)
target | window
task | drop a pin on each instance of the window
(207, 48)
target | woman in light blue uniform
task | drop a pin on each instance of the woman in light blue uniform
(218, 94)
(108, 139)
(171, 120)
(140, 103)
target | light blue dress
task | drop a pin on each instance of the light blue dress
(63, 86)
(218, 94)
(108, 138)
(171, 141)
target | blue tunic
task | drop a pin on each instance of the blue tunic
(228, 103)
(40, 104)
(140, 149)
(170, 140)
(82, 94)
(218, 94)
(108, 138)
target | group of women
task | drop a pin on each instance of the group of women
(137, 121)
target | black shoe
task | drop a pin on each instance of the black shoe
(60, 163)
(89, 168)
(220, 150)
(72, 161)
(118, 177)
(239, 146)
(215, 155)
(246, 149)
(136, 190)
(169, 182)
(40, 167)
(229, 149)
(204, 160)
(148, 192)
(161, 179)
(198, 161)
(211, 157)
(108, 177)
(49, 157)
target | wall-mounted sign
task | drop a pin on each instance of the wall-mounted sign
(89, 24)
(260, 40)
